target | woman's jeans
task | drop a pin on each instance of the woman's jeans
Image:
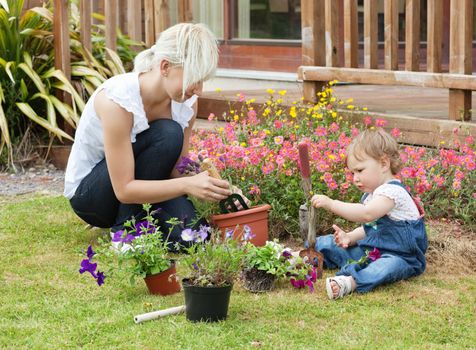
(156, 152)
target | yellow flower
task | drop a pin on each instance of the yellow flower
(333, 99)
(267, 132)
(311, 193)
(334, 114)
(221, 129)
(349, 100)
(442, 142)
(350, 107)
(296, 126)
(365, 108)
(292, 112)
(255, 132)
(279, 101)
(218, 89)
(282, 92)
(236, 118)
(242, 178)
(278, 113)
(243, 144)
(270, 91)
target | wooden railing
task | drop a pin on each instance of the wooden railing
(142, 20)
(322, 46)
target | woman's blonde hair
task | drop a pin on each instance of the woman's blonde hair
(376, 143)
(190, 46)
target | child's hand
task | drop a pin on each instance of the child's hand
(321, 201)
(341, 237)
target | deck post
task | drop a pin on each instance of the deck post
(313, 42)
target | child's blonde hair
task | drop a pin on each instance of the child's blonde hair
(376, 143)
(190, 46)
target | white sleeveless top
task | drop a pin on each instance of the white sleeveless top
(88, 147)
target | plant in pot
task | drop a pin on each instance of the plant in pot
(236, 211)
(263, 265)
(139, 250)
(212, 264)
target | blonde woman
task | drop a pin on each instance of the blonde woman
(135, 128)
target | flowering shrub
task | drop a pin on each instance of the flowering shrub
(141, 249)
(257, 150)
(212, 260)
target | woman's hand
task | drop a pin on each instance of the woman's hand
(208, 188)
(341, 237)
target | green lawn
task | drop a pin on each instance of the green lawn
(45, 303)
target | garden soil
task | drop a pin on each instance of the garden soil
(452, 247)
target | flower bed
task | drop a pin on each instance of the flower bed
(257, 150)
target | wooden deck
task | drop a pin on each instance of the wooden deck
(421, 114)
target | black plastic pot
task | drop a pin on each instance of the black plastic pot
(206, 304)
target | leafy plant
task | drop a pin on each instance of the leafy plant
(268, 258)
(141, 250)
(211, 259)
(29, 81)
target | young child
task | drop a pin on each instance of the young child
(393, 221)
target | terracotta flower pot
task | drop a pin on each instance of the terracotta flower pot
(256, 218)
(164, 283)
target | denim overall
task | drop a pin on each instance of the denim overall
(402, 245)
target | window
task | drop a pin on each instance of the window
(267, 19)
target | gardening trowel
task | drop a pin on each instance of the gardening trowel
(315, 257)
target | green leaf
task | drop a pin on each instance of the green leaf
(33, 76)
(30, 113)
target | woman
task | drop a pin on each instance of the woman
(135, 128)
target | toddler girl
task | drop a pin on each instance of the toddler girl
(393, 222)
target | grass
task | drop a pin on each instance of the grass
(45, 303)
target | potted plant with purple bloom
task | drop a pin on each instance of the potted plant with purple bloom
(212, 264)
(140, 249)
(263, 265)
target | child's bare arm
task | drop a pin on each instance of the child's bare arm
(376, 208)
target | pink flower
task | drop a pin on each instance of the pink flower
(367, 120)
(396, 132)
(251, 113)
(375, 254)
(320, 132)
(255, 190)
(278, 140)
(211, 116)
(241, 97)
(278, 124)
(334, 127)
(380, 122)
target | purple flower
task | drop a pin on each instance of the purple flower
(247, 233)
(297, 283)
(100, 278)
(144, 227)
(195, 266)
(188, 235)
(229, 233)
(203, 233)
(117, 237)
(187, 165)
(287, 253)
(87, 265)
(375, 254)
(90, 252)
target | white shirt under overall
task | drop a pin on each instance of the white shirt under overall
(88, 147)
